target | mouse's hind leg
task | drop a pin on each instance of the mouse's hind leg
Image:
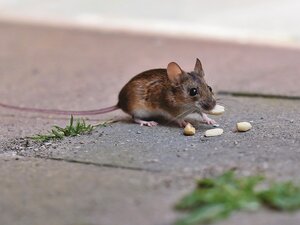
(145, 123)
(139, 115)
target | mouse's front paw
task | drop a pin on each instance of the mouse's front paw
(208, 120)
(181, 123)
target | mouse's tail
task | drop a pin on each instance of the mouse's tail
(61, 112)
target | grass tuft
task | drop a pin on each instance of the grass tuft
(73, 129)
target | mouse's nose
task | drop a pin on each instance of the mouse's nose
(209, 105)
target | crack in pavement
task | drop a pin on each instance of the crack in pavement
(107, 165)
(99, 164)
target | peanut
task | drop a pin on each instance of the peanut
(217, 110)
(243, 126)
(213, 132)
(189, 130)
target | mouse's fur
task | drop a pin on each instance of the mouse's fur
(166, 92)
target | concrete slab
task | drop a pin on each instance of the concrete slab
(140, 172)
(35, 192)
(271, 146)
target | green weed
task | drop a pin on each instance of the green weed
(217, 198)
(71, 130)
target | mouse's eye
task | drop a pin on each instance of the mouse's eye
(209, 87)
(193, 91)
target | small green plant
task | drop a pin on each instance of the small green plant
(217, 198)
(80, 127)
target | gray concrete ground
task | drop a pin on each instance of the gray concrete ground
(37, 191)
(272, 144)
(124, 173)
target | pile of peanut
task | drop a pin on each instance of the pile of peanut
(189, 130)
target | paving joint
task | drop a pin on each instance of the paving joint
(114, 166)
(257, 95)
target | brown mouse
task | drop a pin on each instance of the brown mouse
(169, 93)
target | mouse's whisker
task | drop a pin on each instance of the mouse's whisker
(185, 113)
(226, 99)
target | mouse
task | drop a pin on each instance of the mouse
(169, 93)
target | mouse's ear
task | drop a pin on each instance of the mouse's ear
(198, 67)
(174, 72)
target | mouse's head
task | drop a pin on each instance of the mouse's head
(191, 89)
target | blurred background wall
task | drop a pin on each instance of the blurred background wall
(268, 21)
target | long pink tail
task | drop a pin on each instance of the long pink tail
(61, 112)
